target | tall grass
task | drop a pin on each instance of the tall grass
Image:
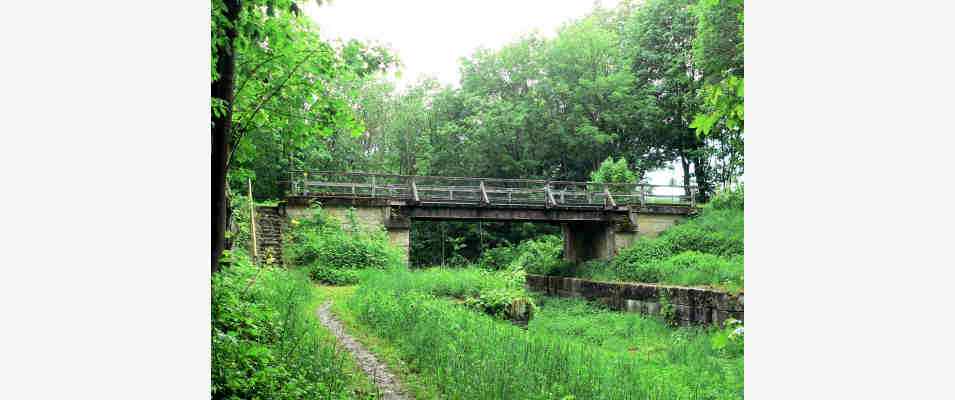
(266, 342)
(468, 355)
(707, 250)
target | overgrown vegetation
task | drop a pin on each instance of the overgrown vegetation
(570, 348)
(334, 254)
(707, 250)
(266, 344)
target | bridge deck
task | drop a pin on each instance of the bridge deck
(499, 193)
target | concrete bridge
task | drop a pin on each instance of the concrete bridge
(597, 219)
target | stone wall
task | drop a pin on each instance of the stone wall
(369, 216)
(652, 225)
(269, 227)
(687, 306)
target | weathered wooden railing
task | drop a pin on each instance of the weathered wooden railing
(473, 191)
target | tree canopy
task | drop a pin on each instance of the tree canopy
(643, 84)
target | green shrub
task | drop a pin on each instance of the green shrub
(502, 303)
(643, 251)
(331, 276)
(536, 256)
(498, 258)
(332, 254)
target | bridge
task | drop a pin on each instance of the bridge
(596, 219)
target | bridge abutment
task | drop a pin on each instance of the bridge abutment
(585, 241)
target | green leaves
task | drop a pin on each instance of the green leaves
(611, 171)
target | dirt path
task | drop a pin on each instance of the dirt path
(386, 381)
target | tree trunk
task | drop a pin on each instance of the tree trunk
(223, 88)
(685, 163)
(700, 168)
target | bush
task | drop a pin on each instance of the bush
(536, 256)
(643, 251)
(331, 276)
(498, 258)
(332, 255)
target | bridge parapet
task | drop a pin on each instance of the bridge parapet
(486, 191)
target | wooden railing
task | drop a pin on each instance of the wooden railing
(486, 191)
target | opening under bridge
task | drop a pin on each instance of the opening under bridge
(597, 219)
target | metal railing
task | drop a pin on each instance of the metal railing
(487, 191)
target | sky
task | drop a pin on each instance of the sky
(430, 36)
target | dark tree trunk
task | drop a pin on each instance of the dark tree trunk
(685, 163)
(700, 168)
(223, 88)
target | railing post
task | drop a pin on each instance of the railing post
(372, 186)
(305, 183)
(414, 191)
(643, 196)
(609, 197)
(484, 198)
(548, 196)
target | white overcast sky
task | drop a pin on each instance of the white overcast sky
(430, 36)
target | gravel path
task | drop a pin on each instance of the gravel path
(387, 383)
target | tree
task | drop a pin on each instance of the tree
(274, 78)
(660, 35)
(611, 171)
(718, 50)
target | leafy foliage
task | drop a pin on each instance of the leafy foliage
(611, 171)
(332, 254)
(707, 251)
(265, 344)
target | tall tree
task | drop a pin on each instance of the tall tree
(275, 78)
(718, 49)
(661, 35)
(225, 18)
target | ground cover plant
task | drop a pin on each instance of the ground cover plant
(497, 293)
(570, 348)
(266, 343)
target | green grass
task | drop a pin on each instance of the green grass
(706, 251)
(411, 381)
(267, 342)
(569, 348)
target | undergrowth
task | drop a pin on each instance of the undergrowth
(706, 250)
(334, 254)
(570, 348)
(266, 344)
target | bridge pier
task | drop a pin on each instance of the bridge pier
(585, 241)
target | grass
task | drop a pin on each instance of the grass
(267, 342)
(359, 384)
(705, 251)
(570, 348)
(410, 380)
